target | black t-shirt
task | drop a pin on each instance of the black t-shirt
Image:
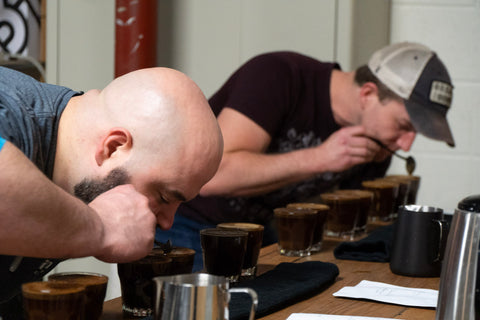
(288, 95)
(29, 115)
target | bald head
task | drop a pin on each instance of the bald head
(156, 100)
(168, 117)
(158, 120)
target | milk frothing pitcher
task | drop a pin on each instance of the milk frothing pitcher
(419, 238)
(198, 296)
(458, 280)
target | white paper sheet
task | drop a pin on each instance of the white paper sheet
(316, 316)
(415, 297)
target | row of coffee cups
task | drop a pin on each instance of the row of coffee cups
(80, 295)
(230, 250)
(342, 213)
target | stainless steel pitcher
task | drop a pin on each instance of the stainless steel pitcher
(197, 296)
(456, 299)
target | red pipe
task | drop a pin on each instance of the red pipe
(135, 35)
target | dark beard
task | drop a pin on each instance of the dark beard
(89, 189)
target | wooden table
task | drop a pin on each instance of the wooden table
(351, 273)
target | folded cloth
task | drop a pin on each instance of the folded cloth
(286, 284)
(375, 247)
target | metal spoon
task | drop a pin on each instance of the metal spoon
(166, 247)
(409, 161)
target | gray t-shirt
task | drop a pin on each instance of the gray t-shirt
(29, 115)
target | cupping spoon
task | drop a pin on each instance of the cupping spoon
(166, 247)
(409, 161)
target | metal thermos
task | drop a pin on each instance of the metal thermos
(458, 280)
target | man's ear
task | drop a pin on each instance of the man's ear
(116, 140)
(368, 91)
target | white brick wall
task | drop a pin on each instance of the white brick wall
(452, 29)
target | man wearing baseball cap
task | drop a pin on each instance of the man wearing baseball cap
(416, 74)
(295, 127)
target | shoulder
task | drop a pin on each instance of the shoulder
(275, 65)
(24, 90)
(11, 77)
(280, 58)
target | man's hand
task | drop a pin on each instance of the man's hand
(129, 224)
(346, 148)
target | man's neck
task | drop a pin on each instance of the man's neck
(344, 95)
(65, 142)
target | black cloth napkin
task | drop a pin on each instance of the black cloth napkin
(286, 284)
(376, 247)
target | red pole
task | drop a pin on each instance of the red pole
(135, 35)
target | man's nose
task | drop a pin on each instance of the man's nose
(166, 216)
(405, 141)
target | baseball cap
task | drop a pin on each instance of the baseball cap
(416, 73)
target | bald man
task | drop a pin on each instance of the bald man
(92, 174)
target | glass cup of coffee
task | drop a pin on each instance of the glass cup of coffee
(254, 243)
(343, 216)
(223, 252)
(182, 260)
(295, 229)
(385, 195)
(53, 300)
(95, 289)
(413, 188)
(402, 193)
(322, 212)
(137, 286)
(365, 201)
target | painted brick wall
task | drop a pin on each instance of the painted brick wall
(452, 29)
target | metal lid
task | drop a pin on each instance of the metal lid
(471, 203)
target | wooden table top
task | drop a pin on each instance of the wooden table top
(351, 273)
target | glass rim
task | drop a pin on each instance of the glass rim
(223, 232)
(248, 226)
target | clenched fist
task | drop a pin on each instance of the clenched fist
(346, 148)
(128, 224)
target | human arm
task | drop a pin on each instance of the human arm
(39, 219)
(246, 170)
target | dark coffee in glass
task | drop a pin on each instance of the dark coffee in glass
(385, 195)
(53, 301)
(322, 212)
(95, 289)
(365, 201)
(295, 229)
(182, 260)
(138, 288)
(223, 252)
(254, 244)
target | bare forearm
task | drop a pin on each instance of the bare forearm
(37, 218)
(260, 173)
(248, 173)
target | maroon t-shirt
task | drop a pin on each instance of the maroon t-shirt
(288, 95)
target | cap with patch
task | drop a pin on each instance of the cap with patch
(415, 73)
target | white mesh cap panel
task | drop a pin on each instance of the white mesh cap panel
(400, 65)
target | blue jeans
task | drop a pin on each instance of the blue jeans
(186, 233)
